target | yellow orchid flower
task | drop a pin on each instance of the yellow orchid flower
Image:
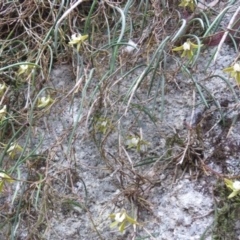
(122, 218)
(25, 69)
(234, 186)
(137, 142)
(3, 113)
(44, 102)
(187, 3)
(234, 71)
(187, 49)
(102, 125)
(4, 178)
(77, 39)
(3, 87)
(13, 149)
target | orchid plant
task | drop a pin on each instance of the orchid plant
(25, 69)
(136, 142)
(121, 219)
(44, 102)
(3, 88)
(3, 179)
(14, 149)
(187, 49)
(234, 71)
(102, 125)
(234, 186)
(77, 39)
(3, 113)
(187, 3)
